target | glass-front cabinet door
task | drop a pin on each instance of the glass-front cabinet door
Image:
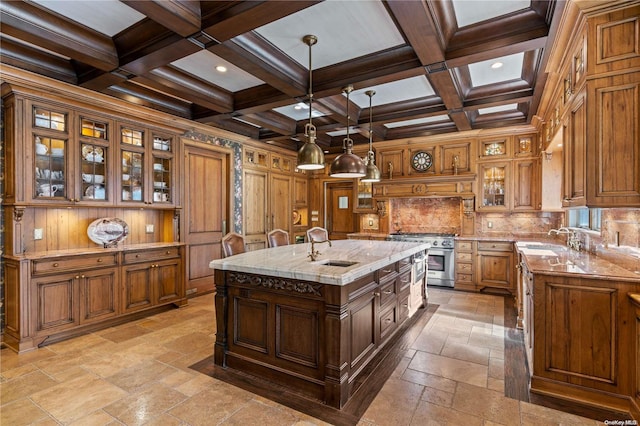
(494, 186)
(50, 169)
(95, 175)
(132, 172)
(162, 159)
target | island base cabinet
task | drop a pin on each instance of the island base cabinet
(584, 340)
(316, 339)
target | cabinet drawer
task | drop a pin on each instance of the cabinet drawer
(464, 268)
(463, 257)
(387, 270)
(46, 266)
(404, 263)
(405, 280)
(494, 246)
(464, 246)
(151, 255)
(464, 278)
(388, 320)
(387, 292)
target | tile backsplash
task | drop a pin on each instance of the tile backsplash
(421, 215)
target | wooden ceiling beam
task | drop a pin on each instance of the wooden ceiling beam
(25, 57)
(136, 94)
(36, 26)
(180, 16)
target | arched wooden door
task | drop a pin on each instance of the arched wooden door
(206, 213)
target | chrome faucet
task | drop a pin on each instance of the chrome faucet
(572, 239)
(315, 253)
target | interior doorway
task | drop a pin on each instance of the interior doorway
(206, 215)
(341, 220)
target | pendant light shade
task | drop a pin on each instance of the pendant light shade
(372, 173)
(347, 164)
(310, 155)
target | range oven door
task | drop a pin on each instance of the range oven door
(440, 268)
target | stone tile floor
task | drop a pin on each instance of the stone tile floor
(138, 373)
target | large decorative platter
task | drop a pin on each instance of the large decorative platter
(108, 231)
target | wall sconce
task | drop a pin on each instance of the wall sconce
(547, 155)
(381, 208)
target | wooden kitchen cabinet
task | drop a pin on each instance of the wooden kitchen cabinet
(300, 192)
(495, 266)
(151, 278)
(268, 204)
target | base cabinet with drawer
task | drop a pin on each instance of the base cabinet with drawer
(53, 297)
(484, 266)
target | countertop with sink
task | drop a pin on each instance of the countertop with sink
(555, 259)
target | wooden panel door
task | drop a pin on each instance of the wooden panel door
(167, 281)
(340, 217)
(206, 210)
(574, 141)
(98, 295)
(137, 288)
(494, 270)
(255, 208)
(281, 208)
(56, 303)
(526, 184)
(613, 131)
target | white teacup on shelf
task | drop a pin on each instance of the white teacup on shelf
(41, 149)
(47, 190)
(158, 167)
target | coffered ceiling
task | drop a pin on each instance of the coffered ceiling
(433, 64)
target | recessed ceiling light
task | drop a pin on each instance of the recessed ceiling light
(221, 68)
(497, 65)
(300, 105)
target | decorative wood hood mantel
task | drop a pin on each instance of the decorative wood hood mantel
(434, 186)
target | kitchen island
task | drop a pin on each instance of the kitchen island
(314, 326)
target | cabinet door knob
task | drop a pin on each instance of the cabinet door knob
(168, 252)
(387, 320)
(376, 293)
(55, 265)
(99, 260)
(77, 277)
(387, 292)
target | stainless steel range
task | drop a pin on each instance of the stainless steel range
(440, 262)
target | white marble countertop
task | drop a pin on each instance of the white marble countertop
(292, 261)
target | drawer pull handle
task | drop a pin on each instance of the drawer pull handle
(137, 255)
(55, 265)
(376, 293)
(77, 277)
(388, 320)
(405, 305)
(387, 292)
(99, 260)
(168, 252)
(405, 281)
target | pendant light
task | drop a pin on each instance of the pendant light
(310, 155)
(347, 164)
(372, 174)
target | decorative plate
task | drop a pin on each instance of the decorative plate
(296, 217)
(108, 231)
(421, 161)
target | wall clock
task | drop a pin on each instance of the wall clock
(421, 161)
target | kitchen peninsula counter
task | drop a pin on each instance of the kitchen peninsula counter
(312, 327)
(580, 326)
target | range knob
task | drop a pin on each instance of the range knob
(435, 243)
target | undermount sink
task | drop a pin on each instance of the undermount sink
(342, 263)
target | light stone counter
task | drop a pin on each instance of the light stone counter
(292, 261)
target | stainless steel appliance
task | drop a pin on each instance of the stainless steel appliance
(440, 262)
